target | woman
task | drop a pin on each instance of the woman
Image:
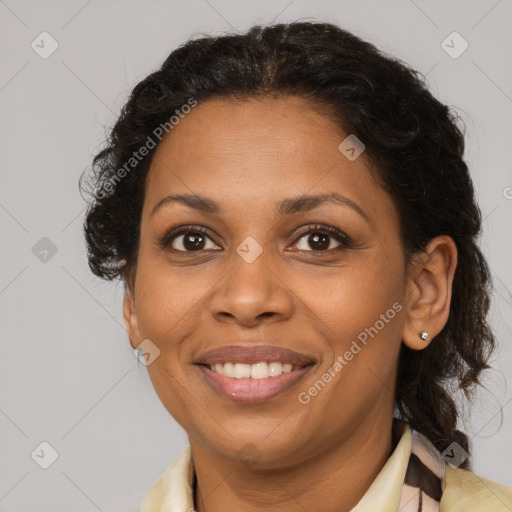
(295, 226)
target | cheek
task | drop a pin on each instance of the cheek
(168, 383)
(168, 301)
(167, 307)
(362, 310)
(355, 296)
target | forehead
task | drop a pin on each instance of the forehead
(230, 129)
(257, 150)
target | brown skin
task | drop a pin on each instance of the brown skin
(248, 156)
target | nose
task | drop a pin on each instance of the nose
(252, 293)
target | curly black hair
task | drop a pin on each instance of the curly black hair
(413, 141)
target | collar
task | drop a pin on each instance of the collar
(414, 462)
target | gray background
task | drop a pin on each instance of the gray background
(67, 372)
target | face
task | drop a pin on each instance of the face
(243, 272)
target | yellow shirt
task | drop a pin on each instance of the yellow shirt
(465, 491)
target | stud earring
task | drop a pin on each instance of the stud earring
(424, 335)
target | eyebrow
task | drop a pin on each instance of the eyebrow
(286, 207)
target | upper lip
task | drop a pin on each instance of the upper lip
(253, 354)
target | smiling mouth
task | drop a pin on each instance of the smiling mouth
(252, 373)
(261, 370)
(243, 387)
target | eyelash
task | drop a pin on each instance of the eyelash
(344, 240)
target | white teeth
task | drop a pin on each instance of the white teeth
(228, 369)
(260, 370)
(275, 369)
(242, 371)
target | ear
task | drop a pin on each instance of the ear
(429, 291)
(130, 318)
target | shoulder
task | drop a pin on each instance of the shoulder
(173, 486)
(466, 492)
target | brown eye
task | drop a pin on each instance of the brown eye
(188, 239)
(319, 239)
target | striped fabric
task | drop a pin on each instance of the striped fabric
(425, 479)
(414, 479)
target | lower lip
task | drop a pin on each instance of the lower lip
(253, 390)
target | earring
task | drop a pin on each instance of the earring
(424, 335)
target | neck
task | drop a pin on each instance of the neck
(337, 477)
